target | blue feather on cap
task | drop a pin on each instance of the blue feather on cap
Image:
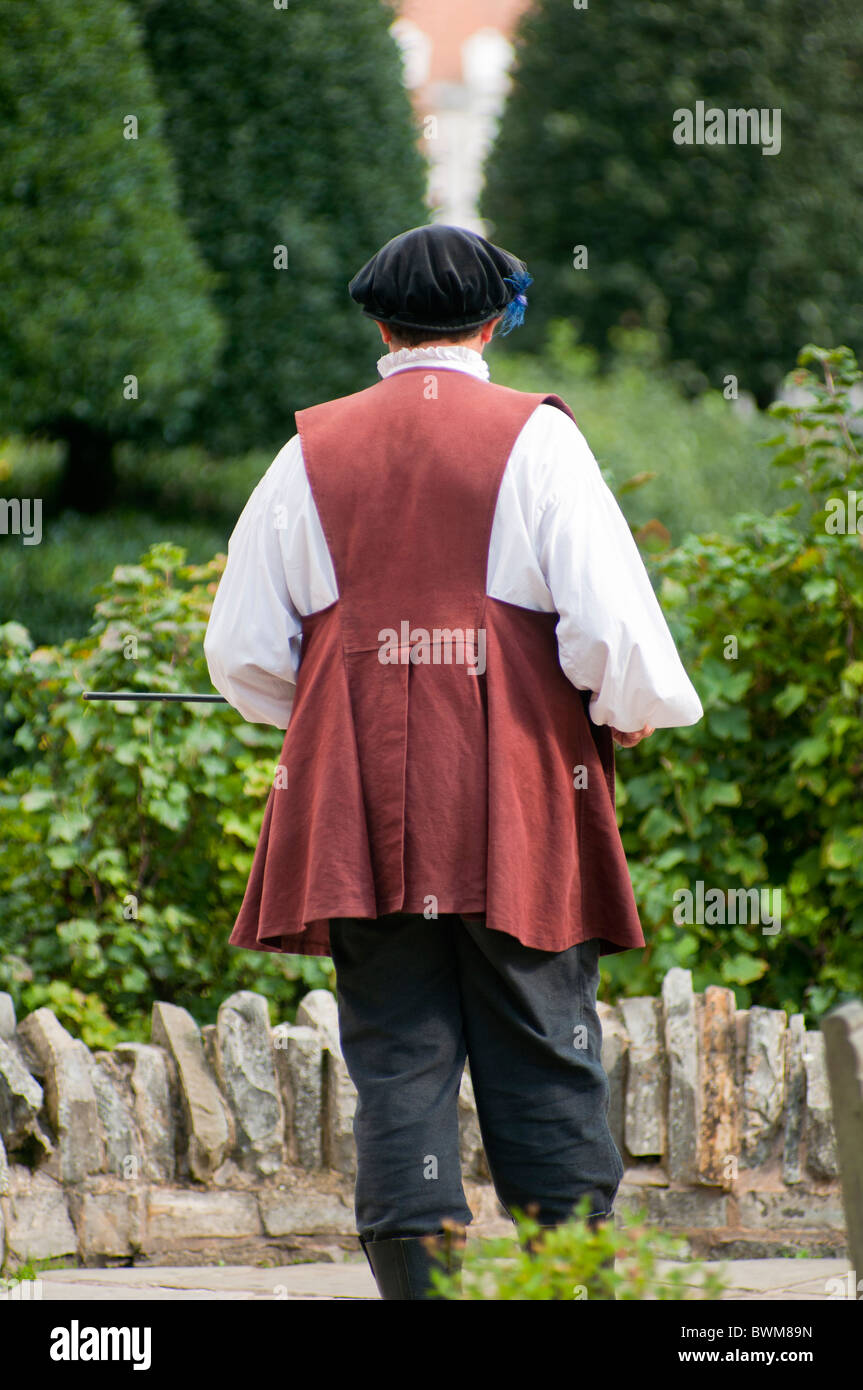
(514, 313)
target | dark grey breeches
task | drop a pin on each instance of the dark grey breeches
(418, 996)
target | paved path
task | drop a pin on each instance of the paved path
(798, 1280)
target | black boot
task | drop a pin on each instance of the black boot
(402, 1265)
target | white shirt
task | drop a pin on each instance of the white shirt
(559, 543)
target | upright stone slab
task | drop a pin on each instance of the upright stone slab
(471, 1150)
(842, 1029)
(822, 1159)
(615, 1048)
(153, 1108)
(123, 1153)
(246, 1069)
(7, 1016)
(741, 1027)
(4, 1180)
(318, 1009)
(681, 1049)
(208, 1039)
(70, 1101)
(795, 1100)
(719, 1127)
(209, 1130)
(21, 1098)
(646, 1088)
(299, 1064)
(340, 1103)
(764, 1083)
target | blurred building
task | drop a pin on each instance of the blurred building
(457, 55)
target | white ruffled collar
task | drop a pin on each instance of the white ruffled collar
(443, 354)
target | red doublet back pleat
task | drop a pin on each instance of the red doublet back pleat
(431, 786)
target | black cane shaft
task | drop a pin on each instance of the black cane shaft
(152, 695)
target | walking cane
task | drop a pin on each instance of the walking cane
(152, 695)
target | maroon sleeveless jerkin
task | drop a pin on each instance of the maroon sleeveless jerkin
(428, 787)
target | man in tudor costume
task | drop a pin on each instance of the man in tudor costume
(435, 593)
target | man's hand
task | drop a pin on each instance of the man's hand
(630, 740)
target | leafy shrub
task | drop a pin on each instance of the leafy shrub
(766, 790)
(700, 461)
(125, 873)
(570, 1261)
(51, 589)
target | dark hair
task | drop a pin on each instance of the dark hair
(413, 337)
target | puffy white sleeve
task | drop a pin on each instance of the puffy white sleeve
(612, 637)
(253, 638)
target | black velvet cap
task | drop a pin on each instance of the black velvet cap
(437, 277)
